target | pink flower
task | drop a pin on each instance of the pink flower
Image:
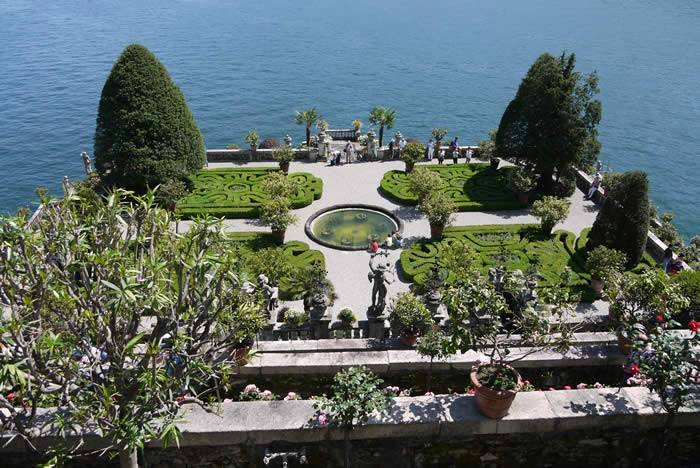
(581, 386)
(267, 394)
(291, 396)
(527, 382)
(598, 385)
(11, 396)
(323, 419)
(429, 394)
(567, 387)
(251, 388)
(551, 389)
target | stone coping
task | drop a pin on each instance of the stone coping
(441, 416)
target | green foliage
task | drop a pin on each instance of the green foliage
(521, 180)
(91, 272)
(668, 232)
(279, 185)
(356, 395)
(239, 193)
(605, 264)
(145, 133)
(689, 284)
(276, 213)
(170, 192)
(438, 133)
(552, 121)
(232, 146)
(384, 117)
(472, 187)
(550, 211)
(252, 139)
(408, 313)
(295, 318)
(347, 316)
(432, 343)
(423, 181)
(500, 378)
(438, 208)
(411, 154)
(623, 221)
(487, 148)
(357, 124)
(459, 259)
(283, 155)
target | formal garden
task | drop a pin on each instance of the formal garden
(162, 314)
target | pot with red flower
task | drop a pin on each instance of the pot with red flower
(409, 316)
(495, 387)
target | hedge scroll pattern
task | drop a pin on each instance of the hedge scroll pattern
(473, 187)
(236, 193)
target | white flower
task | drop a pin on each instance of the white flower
(291, 396)
(251, 388)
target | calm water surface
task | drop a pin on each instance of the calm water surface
(452, 63)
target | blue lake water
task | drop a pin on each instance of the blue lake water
(246, 64)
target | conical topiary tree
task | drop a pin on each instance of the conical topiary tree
(145, 133)
(623, 221)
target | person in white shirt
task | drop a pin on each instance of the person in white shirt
(431, 149)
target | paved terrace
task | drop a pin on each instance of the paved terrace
(359, 183)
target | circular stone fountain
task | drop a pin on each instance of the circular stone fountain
(351, 227)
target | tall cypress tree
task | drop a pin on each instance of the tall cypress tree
(145, 133)
(551, 123)
(623, 221)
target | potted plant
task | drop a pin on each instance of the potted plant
(322, 125)
(487, 149)
(604, 265)
(439, 209)
(439, 134)
(347, 318)
(294, 318)
(422, 181)
(521, 181)
(283, 156)
(550, 211)
(307, 118)
(432, 345)
(249, 320)
(411, 154)
(276, 213)
(641, 303)
(408, 314)
(385, 118)
(476, 315)
(252, 139)
(357, 125)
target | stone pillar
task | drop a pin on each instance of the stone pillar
(377, 326)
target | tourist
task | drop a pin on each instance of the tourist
(430, 150)
(391, 150)
(348, 152)
(676, 265)
(667, 260)
(594, 186)
(402, 145)
(397, 239)
(374, 246)
(441, 156)
(468, 155)
(454, 149)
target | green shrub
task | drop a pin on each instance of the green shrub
(408, 313)
(283, 155)
(145, 133)
(170, 192)
(623, 221)
(295, 318)
(605, 264)
(347, 317)
(423, 181)
(667, 232)
(411, 154)
(276, 214)
(438, 208)
(521, 180)
(550, 211)
(252, 139)
(689, 283)
(439, 133)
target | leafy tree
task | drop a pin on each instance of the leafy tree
(307, 118)
(432, 345)
(423, 181)
(384, 117)
(77, 289)
(550, 211)
(552, 121)
(145, 133)
(411, 154)
(623, 221)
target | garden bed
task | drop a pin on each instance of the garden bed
(472, 187)
(237, 193)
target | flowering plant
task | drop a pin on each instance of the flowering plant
(252, 393)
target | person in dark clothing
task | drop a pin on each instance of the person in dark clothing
(454, 149)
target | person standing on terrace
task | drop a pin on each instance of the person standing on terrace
(430, 150)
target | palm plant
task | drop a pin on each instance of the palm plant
(384, 117)
(307, 118)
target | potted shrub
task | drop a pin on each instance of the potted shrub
(550, 211)
(604, 265)
(411, 154)
(487, 149)
(521, 181)
(689, 283)
(432, 345)
(294, 318)
(357, 125)
(249, 320)
(347, 318)
(439, 134)
(476, 310)
(276, 213)
(439, 209)
(423, 181)
(252, 139)
(408, 314)
(283, 156)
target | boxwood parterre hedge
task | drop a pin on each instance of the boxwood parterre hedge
(473, 187)
(236, 193)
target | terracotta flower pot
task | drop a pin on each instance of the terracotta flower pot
(436, 231)
(285, 167)
(408, 339)
(493, 403)
(278, 236)
(597, 286)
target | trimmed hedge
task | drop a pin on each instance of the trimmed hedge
(236, 193)
(297, 253)
(473, 187)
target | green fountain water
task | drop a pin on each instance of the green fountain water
(353, 227)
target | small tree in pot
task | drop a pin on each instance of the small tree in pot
(432, 345)
(439, 209)
(605, 265)
(477, 310)
(411, 154)
(521, 181)
(439, 134)
(252, 139)
(307, 118)
(283, 156)
(422, 181)
(276, 213)
(487, 149)
(550, 211)
(408, 313)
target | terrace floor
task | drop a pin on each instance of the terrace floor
(359, 183)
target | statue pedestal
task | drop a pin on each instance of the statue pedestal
(377, 327)
(320, 328)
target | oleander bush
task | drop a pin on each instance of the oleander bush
(279, 263)
(472, 187)
(238, 193)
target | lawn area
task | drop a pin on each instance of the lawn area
(473, 187)
(236, 193)
(520, 245)
(260, 254)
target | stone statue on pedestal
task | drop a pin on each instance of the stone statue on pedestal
(87, 163)
(271, 293)
(371, 145)
(380, 276)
